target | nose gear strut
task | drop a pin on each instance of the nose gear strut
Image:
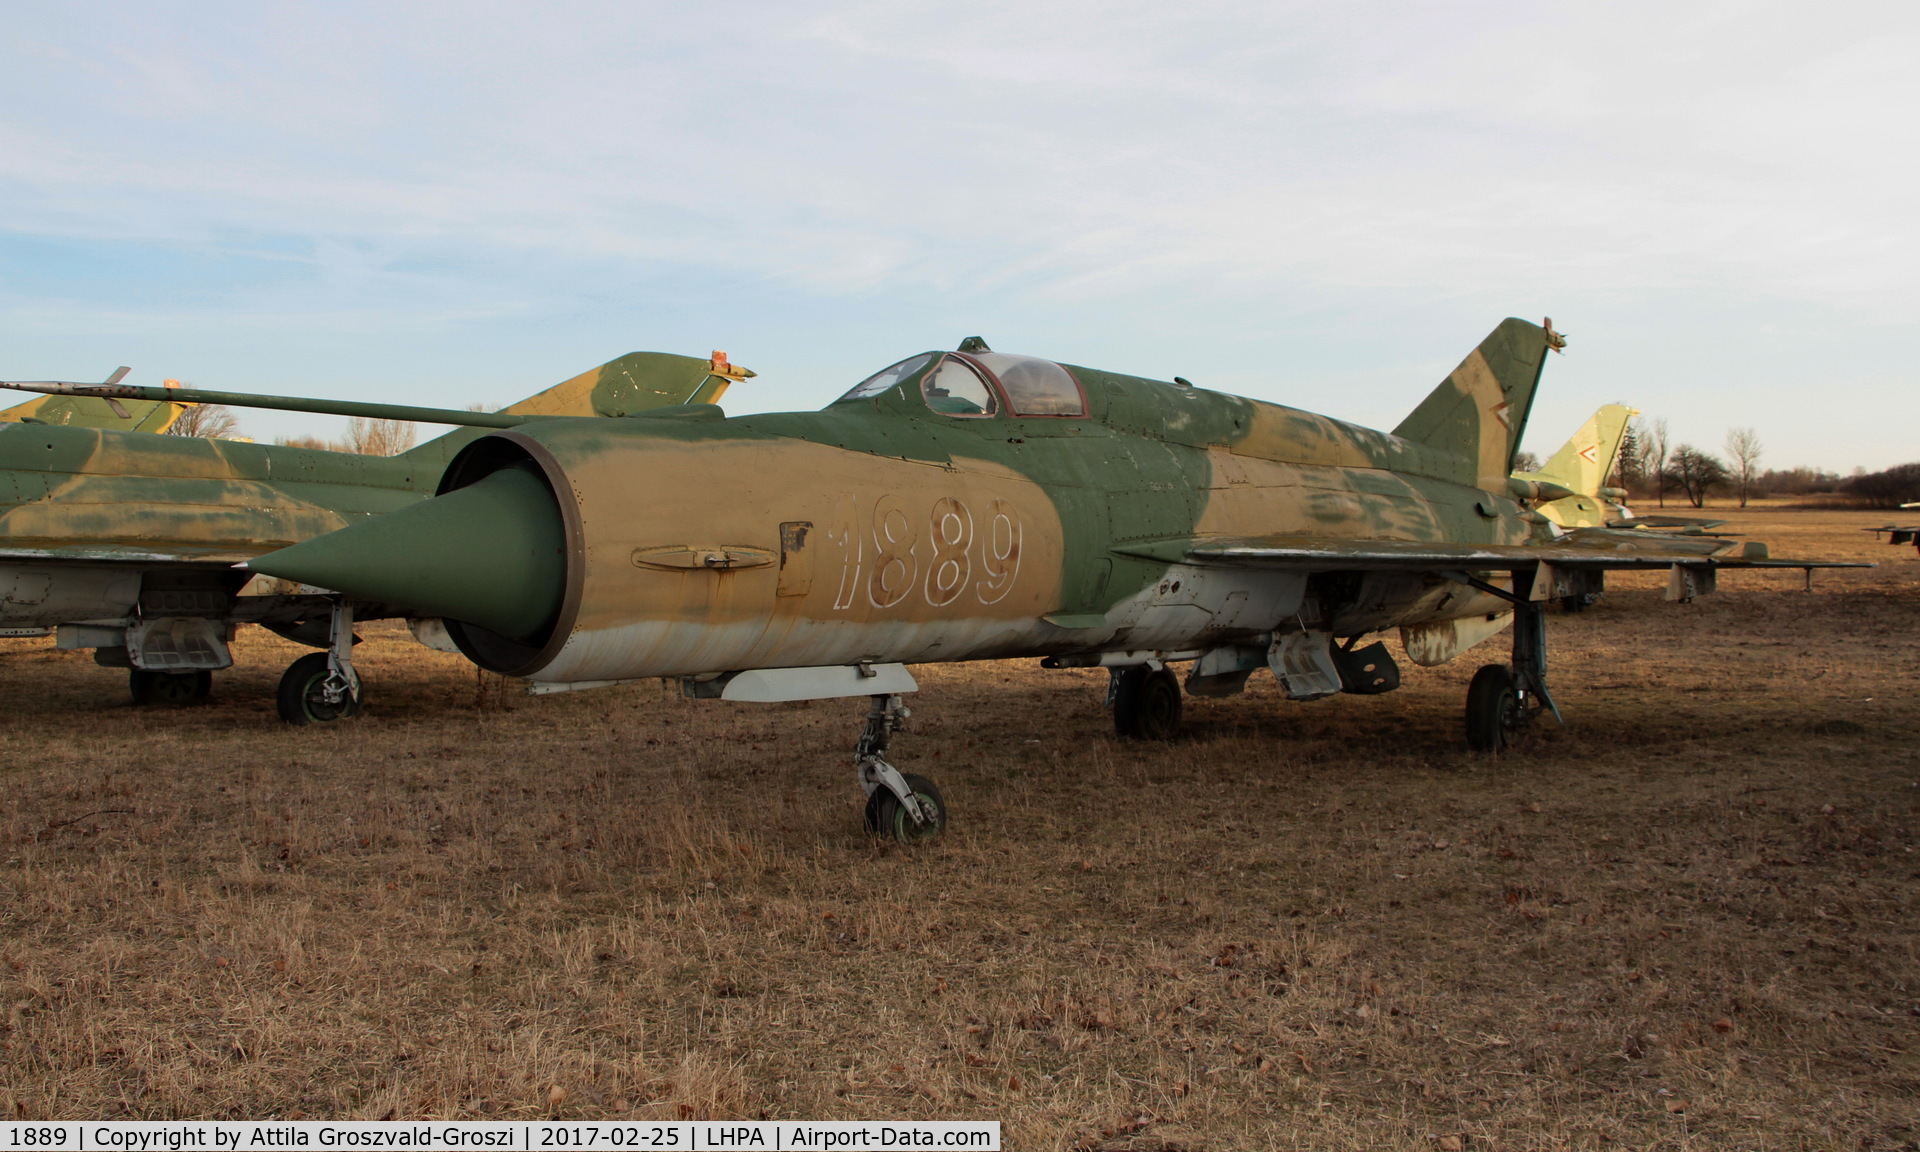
(907, 807)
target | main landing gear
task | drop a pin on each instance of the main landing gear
(322, 686)
(907, 807)
(1504, 700)
(1145, 699)
(173, 688)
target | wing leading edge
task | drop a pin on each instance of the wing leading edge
(1591, 549)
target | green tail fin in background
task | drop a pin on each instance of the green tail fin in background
(1479, 412)
(636, 382)
(93, 412)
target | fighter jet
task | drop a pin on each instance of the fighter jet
(975, 505)
(124, 542)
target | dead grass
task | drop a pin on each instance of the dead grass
(1686, 921)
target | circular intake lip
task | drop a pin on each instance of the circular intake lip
(488, 649)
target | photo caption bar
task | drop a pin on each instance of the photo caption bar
(519, 1135)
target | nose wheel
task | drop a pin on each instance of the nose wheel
(887, 816)
(909, 808)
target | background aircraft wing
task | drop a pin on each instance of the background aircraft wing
(1657, 521)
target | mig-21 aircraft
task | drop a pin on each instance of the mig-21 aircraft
(975, 505)
(125, 542)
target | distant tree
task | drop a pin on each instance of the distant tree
(306, 442)
(1743, 448)
(371, 437)
(1526, 462)
(1801, 481)
(1695, 472)
(1654, 441)
(1897, 485)
(1628, 468)
(213, 421)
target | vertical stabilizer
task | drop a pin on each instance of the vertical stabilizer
(1584, 462)
(93, 412)
(1479, 411)
(635, 382)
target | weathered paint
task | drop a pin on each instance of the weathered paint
(933, 536)
(76, 495)
(92, 412)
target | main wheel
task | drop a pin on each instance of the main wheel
(300, 699)
(173, 688)
(1495, 712)
(1146, 704)
(885, 816)
(1579, 602)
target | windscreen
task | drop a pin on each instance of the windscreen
(887, 377)
(956, 388)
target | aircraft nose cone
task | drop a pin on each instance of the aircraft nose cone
(491, 554)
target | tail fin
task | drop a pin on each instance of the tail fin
(634, 383)
(94, 412)
(1582, 464)
(1479, 411)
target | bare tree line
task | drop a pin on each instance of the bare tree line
(1650, 463)
(365, 436)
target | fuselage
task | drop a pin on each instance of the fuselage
(87, 516)
(885, 529)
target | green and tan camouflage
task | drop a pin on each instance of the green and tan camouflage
(972, 505)
(118, 537)
(95, 412)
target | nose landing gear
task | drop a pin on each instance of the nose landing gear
(907, 807)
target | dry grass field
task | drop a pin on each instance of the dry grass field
(1687, 920)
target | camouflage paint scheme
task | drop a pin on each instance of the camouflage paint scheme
(1166, 522)
(92, 412)
(105, 527)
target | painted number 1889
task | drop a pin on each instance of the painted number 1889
(895, 549)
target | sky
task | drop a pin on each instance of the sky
(1323, 205)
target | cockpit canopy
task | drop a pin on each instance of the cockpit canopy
(982, 384)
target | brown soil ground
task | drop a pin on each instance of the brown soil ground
(1684, 921)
